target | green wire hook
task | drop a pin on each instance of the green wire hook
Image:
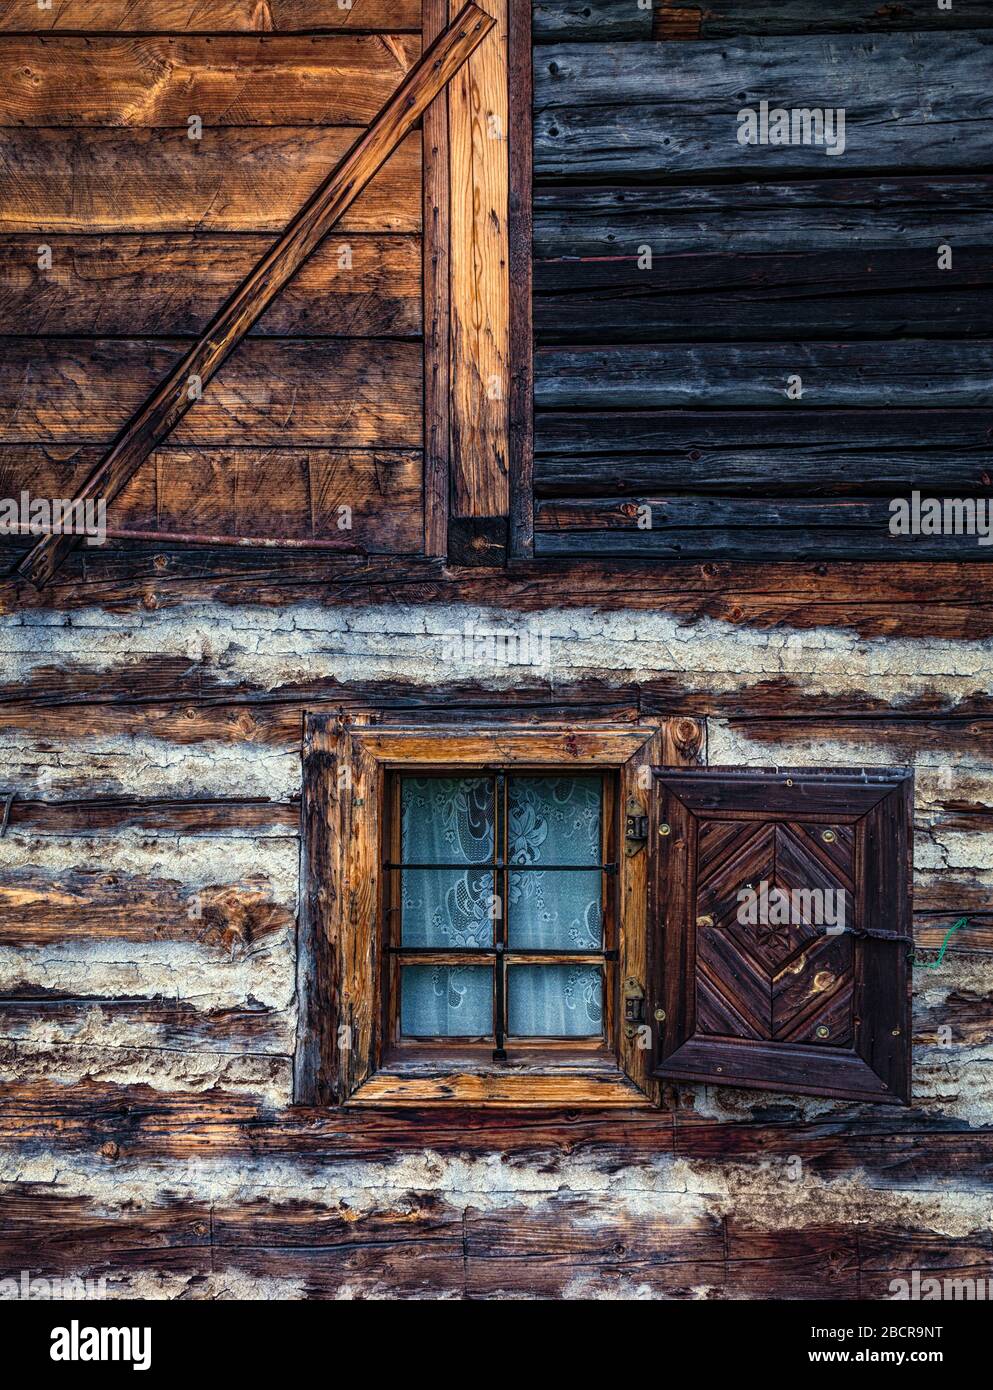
(933, 964)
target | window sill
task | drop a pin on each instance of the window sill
(571, 1078)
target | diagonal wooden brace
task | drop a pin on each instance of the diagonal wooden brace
(167, 405)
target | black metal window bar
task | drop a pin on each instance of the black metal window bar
(501, 869)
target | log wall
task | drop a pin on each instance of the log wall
(152, 699)
(721, 328)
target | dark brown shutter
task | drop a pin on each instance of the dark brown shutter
(788, 1007)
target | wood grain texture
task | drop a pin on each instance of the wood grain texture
(160, 181)
(666, 110)
(720, 19)
(521, 323)
(193, 16)
(478, 120)
(838, 214)
(572, 21)
(274, 494)
(437, 310)
(272, 392)
(810, 296)
(159, 82)
(355, 285)
(171, 400)
(903, 374)
(817, 453)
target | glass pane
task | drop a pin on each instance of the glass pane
(446, 907)
(555, 1001)
(554, 820)
(446, 820)
(552, 910)
(446, 1001)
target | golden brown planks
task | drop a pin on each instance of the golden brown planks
(339, 80)
(349, 499)
(272, 391)
(207, 16)
(480, 373)
(170, 285)
(232, 180)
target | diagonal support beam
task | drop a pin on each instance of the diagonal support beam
(167, 405)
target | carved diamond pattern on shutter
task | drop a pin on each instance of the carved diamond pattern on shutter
(764, 990)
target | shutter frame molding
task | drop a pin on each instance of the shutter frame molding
(742, 1007)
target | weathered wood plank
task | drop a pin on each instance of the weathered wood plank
(842, 294)
(437, 301)
(710, 375)
(159, 82)
(721, 19)
(916, 599)
(174, 1024)
(906, 1148)
(148, 286)
(661, 109)
(478, 125)
(676, 525)
(351, 499)
(600, 21)
(754, 543)
(271, 392)
(86, 905)
(220, 16)
(110, 815)
(829, 215)
(160, 181)
(170, 400)
(820, 453)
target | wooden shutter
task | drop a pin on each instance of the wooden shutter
(749, 1001)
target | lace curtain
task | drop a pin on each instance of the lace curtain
(551, 821)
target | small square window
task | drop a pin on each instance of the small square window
(499, 917)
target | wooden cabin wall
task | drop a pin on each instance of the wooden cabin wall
(687, 286)
(153, 153)
(151, 712)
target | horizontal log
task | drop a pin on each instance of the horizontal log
(220, 16)
(818, 453)
(675, 525)
(172, 1024)
(842, 294)
(754, 543)
(645, 110)
(243, 80)
(599, 21)
(911, 599)
(38, 909)
(353, 286)
(274, 392)
(722, 19)
(709, 375)
(137, 1122)
(111, 815)
(370, 500)
(827, 215)
(160, 181)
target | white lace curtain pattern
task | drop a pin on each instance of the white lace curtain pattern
(552, 821)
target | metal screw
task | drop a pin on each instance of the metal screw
(789, 781)
(665, 829)
(895, 1033)
(660, 1015)
(823, 1032)
(829, 836)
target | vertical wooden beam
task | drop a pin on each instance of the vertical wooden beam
(521, 321)
(478, 111)
(436, 301)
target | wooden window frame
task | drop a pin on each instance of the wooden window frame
(341, 1057)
